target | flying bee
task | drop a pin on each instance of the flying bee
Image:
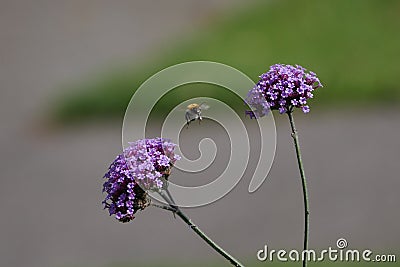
(193, 112)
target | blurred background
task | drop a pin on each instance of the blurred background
(69, 68)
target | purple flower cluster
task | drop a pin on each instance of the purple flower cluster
(281, 88)
(144, 165)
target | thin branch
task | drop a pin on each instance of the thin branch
(163, 207)
(197, 230)
(303, 182)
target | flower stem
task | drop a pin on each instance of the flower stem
(176, 210)
(303, 182)
(163, 207)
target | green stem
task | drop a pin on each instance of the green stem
(172, 207)
(303, 182)
(163, 207)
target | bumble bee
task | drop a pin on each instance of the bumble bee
(193, 112)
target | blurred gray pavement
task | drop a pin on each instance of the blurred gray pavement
(48, 44)
(50, 186)
(51, 212)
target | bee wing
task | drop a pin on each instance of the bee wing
(204, 106)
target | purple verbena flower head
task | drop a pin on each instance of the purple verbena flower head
(144, 165)
(282, 88)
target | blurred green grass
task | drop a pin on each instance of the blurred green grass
(353, 46)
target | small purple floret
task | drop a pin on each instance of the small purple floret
(144, 165)
(282, 88)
